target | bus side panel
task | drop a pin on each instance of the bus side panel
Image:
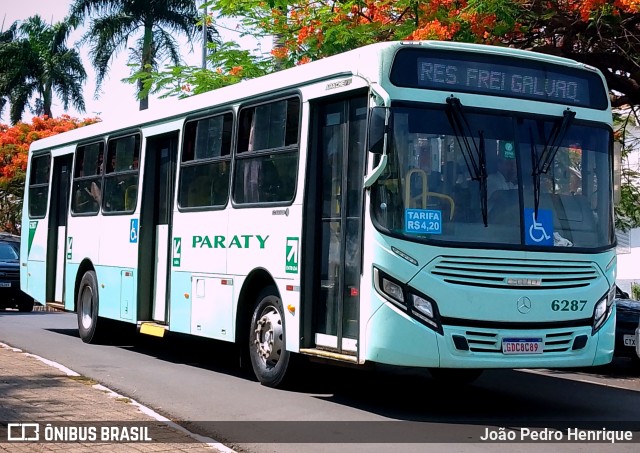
(180, 308)
(69, 284)
(116, 291)
(212, 306)
(392, 337)
(83, 242)
(198, 258)
(117, 268)
(269, 238)
(36, 259)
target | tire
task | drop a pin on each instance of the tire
(455, 376)
(25, 304)
(269, 357)
(88, 303)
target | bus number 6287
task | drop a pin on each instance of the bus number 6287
(568, 305)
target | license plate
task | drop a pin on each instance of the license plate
(5, 284)
(629, 340)
(522, 346)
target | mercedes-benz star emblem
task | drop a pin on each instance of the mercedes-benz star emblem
(524, 305)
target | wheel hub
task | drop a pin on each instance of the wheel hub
(268, 336)
(86, 305)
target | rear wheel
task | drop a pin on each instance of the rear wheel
(87, 303)
(455, 375)
(269, 358)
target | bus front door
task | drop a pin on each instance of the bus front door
(57, 237)
(335, 222)
(155, 227)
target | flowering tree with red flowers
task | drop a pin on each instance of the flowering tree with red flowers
(602, 33)
(14, 150)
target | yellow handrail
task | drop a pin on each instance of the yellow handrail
(425, 194)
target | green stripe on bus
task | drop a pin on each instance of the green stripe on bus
(33, 225)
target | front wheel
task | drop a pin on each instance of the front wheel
(87, 303)
(269, 358)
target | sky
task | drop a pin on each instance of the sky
(115, 96)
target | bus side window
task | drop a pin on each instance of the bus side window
(204, 169)
(267, 157)
(39, 186)
(87, 179)
(120, 189)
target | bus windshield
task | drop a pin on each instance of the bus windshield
(494, 178)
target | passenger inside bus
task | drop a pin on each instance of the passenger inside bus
(505, 172)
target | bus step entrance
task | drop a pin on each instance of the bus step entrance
(152, 328)
(329, 355)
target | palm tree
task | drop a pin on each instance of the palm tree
(37, 62)
(115, 22)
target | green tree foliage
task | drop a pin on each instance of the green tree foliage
(36, 62)
(14, 151)
(628, 134)
(601, 33)
(113, 24)
(230, 65)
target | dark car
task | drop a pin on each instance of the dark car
(11, 296)
(627, 318)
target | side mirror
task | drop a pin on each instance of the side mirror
(378, 130)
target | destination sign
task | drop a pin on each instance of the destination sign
(482, 74)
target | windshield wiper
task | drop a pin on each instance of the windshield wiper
(542, 164)
(476, 163)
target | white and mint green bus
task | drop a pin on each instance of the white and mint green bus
(423, 204)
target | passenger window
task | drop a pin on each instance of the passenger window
(39, 186)
(121, 175)
(267, 159)
(206, 157)
(87, 179)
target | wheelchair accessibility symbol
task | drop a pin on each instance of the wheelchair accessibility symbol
(133, 231)
(540, 230)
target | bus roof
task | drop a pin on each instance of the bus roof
(361, 61)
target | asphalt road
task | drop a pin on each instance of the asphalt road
(198, 383)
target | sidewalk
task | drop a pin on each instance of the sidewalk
(33, 389)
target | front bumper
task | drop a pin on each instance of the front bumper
(394, 338)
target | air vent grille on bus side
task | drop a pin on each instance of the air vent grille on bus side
(512, 273)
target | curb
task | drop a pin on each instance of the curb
(112, 394)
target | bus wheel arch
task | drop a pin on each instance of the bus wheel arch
(85, 266)
(253, 284)
(260, 312)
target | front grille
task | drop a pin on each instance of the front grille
(492, 342)
(489, 272)
(9, 276)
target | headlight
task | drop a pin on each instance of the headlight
(392, 289)
(602, 310)
(422, 305)
(426, 311)
(418, 306)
